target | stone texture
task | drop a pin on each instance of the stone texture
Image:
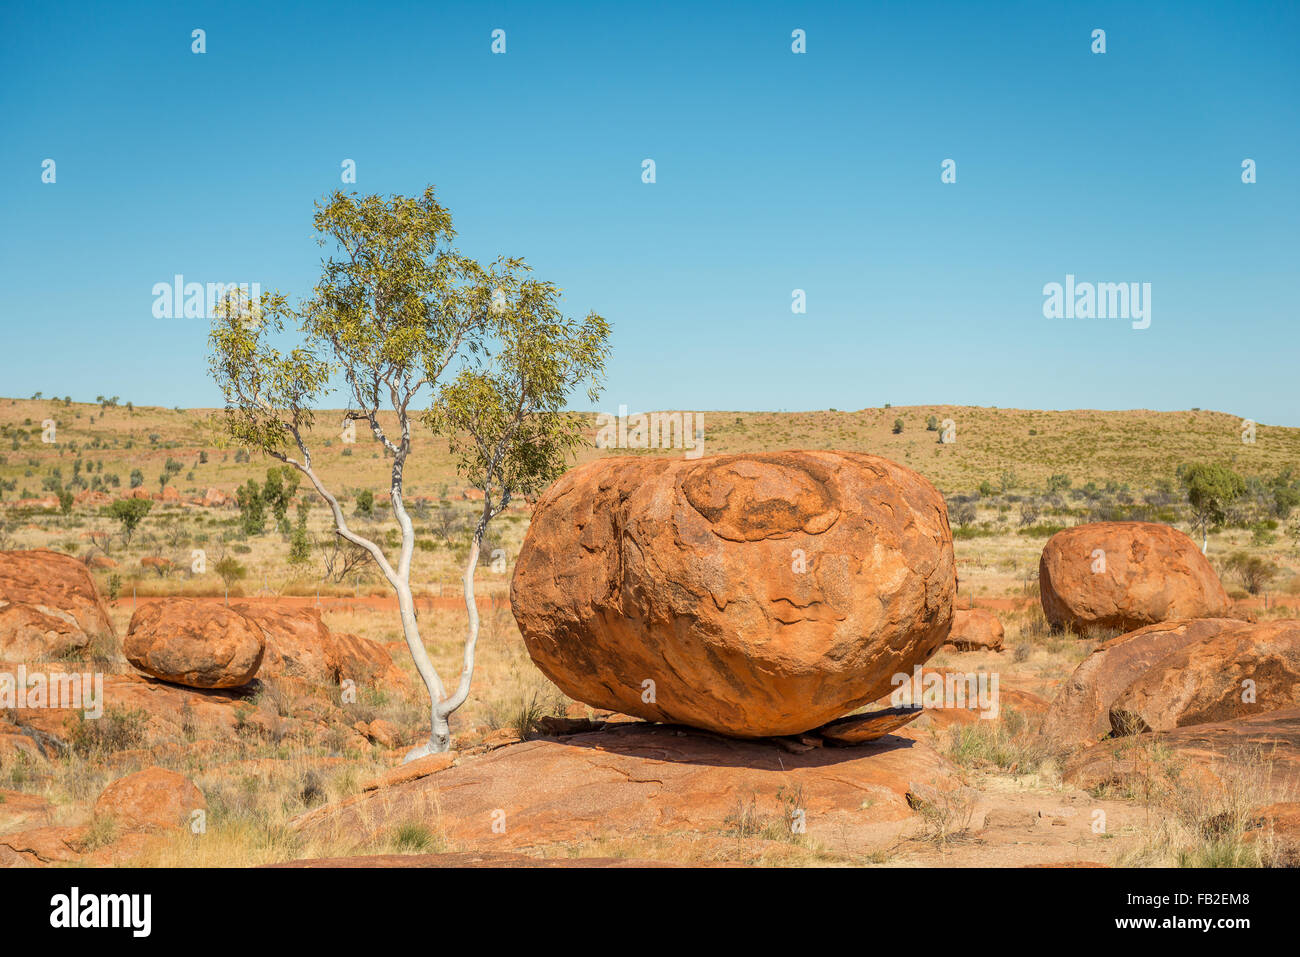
(194, 643)
(976, 629)
(1080, 714)
(1151, 573)
(1205, 680)
(49, 606)
(761, 594)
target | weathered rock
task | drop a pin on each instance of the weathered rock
(49, 606)
(152, 799)
(1080, 714)
(194, 643)
(754, 595)
(861, 728)
(51, 844)
(635, 779)
(298, 644)
(157, 711)
(215, 498)
(365, 662)
(1258, 755)
(975, 629)
(1242, 670)
(1125, 575)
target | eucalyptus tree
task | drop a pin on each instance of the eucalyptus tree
(504, 414)
(397, 310)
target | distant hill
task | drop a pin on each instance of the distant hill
(1136, 447)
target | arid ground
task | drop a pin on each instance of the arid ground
(290, 771)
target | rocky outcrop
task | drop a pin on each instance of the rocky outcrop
(1258, 756)
(635, 778)
(1080, 714)
(1245, 669)
(49, 606)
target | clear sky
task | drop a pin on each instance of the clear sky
(775, 171)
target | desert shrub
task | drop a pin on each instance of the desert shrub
(365, 503)
(1058, 483)
(1010, 742)
(1252, 571)
(117, 729)
(944, 816)
(1045, 530)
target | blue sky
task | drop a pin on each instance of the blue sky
(775, 171)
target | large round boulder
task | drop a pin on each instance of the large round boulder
(1125, 575)
(751, 595)
(49, 606)
(199, 644)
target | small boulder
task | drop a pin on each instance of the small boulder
(199, 644)
(1125, 575)
(150, 800)
(975, 629)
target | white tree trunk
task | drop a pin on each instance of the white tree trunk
(441, 706)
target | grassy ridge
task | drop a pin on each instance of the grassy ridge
(1136, 447)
